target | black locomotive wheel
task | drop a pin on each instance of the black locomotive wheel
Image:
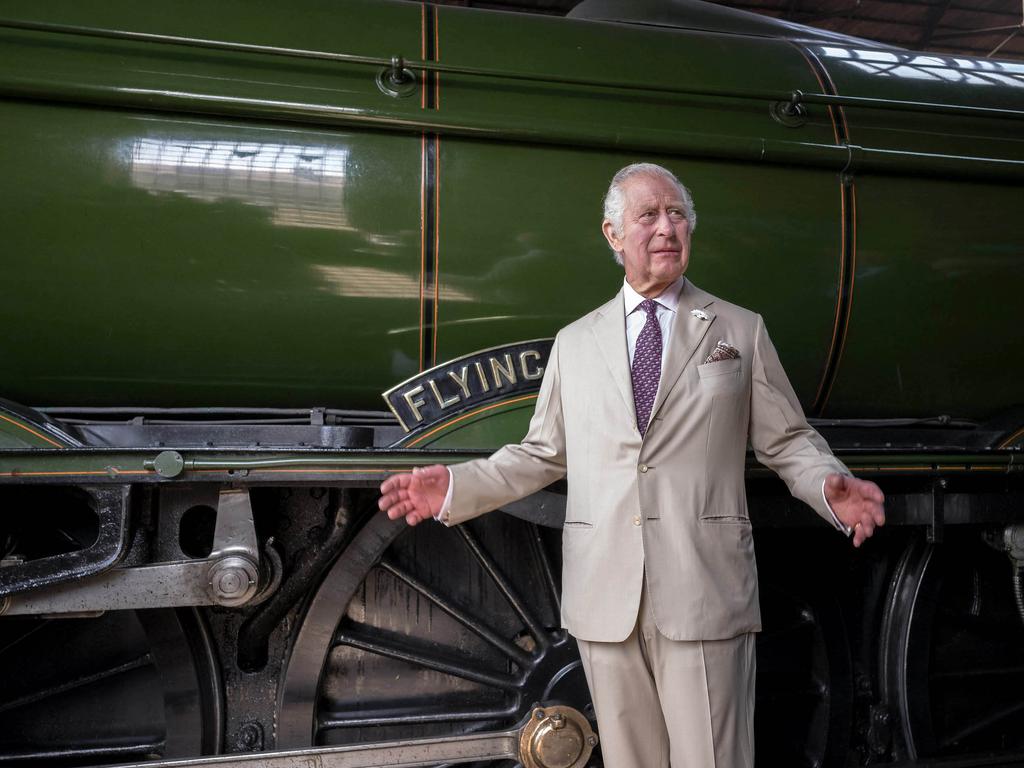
(124, 686)
(430, 631)
(804, 683)
(804, 698)
(440, 632)
(953, 652)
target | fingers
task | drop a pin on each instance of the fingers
(414, 518)
(396, 482)
(863, 531)
(872, 517)
(873, 502)
(399, 509)
(858, 503)
(389, 500)
(412, 494)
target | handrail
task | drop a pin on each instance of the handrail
(397, 64)
(799, 97)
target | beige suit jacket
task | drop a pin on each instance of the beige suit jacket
(671, 503)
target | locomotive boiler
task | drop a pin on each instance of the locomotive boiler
(257, 257)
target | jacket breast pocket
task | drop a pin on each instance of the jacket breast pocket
(724, 376)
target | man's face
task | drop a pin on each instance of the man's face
(655, 237)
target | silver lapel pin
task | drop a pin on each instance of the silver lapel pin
(700, 314)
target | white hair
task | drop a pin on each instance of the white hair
(615, 198)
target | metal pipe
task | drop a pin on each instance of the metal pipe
(692, 144)
(475, 71)
(799, 97)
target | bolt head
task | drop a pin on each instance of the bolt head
(232, 580)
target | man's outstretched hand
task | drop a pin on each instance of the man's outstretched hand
(416, 496)
(857, 503)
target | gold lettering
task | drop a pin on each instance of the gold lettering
(535, 355)
(440, 400)
(462, 381)
(483, 379)
(415, 405)
(506, 371)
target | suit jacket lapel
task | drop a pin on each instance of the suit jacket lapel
(609, 329)
(687, 334)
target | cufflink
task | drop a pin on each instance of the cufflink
(700, 314)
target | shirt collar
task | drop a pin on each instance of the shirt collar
(669, 298)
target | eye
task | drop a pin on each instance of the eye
(677, 213)
(647, 215)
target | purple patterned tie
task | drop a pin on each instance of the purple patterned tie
(646, 369)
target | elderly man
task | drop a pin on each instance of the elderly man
(647, 405)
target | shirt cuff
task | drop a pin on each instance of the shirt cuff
(847, 530)
(444, 514)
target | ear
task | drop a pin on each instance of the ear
(609, 234)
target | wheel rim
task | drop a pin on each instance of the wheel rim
(804, 682)
(441, 631)
(122, 686)
(954, 651)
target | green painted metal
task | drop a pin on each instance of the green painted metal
(233, 214)
(940, 316)
(16, 433)
(21, 428)
(97, 466)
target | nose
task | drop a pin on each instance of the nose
(665, 224)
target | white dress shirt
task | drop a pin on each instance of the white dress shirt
(667, 307)
(668, 304)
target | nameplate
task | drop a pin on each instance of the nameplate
(490, 375)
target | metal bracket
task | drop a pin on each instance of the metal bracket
(111, 508)
(792, 113)
(396, 80)
(228, 577)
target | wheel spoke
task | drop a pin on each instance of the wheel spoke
(40, 625)
(392, 650)
(546, 568)
(408, 716)
(513, 651)
(78, 682)
(506, 588)
(985, 722)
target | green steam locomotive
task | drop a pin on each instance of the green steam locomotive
(258, 256)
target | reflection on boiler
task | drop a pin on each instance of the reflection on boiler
(369, 282)
(299, 185)
(930, 66)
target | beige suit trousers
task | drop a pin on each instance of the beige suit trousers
(678, 703)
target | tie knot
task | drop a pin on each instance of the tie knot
(650, 306)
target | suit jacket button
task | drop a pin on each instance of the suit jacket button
(636, 521)
(643, 467)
